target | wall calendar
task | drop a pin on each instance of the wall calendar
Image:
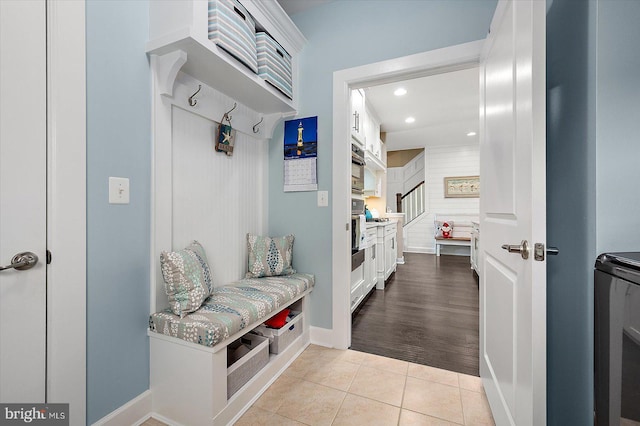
(301, 154)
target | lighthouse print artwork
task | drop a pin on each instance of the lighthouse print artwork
(301, 138)
(300, 154)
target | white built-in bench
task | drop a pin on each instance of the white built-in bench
(462, 227)
(188, 376)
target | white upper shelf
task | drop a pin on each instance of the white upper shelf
(216, 68)
(182, 26)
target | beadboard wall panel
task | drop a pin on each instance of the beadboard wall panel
(443, 161)
(217, 199)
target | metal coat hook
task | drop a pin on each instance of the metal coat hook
(255, 126)
(193, 102)
(226, 115)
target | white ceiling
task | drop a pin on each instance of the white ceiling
(445, 107)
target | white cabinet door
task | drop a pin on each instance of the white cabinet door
(373, 252)
(23, 184)
(357, 116)
(367, 270)
(513, 295)
(372, 133)
(390, 254)
(357, 286)
(377, 143)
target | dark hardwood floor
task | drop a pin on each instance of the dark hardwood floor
(428, 314)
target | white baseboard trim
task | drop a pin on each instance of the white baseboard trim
(321, 336)
(427, 250)
(164, 420)
(134, 412)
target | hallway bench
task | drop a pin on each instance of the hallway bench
(462, 227)
(188, 355)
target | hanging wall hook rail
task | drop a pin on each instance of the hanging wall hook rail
(255, 126)
(226, 115)
(193, 102)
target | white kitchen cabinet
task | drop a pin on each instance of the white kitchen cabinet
(390, 252)
(373, 155)
(372, 133)
(386, 252)
(365, 277)
(370, 274)
(358, 117)
(371, 267)
(357, 286)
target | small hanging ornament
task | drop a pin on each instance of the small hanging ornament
(226, 136)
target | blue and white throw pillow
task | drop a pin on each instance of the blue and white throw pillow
(269, 256)
(187, 278)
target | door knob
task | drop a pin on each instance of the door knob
(522, 248)
(22, 261)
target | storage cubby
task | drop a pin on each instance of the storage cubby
(193, 385)
(245, 358)
(183, 26)
(281, 338)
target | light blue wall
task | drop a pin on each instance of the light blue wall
(341, 35)
(618, 149)
(118, 236)
(571, 210)
(592, 172)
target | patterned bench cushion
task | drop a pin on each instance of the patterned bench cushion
(232, 308)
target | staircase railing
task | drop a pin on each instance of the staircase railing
(411, 203)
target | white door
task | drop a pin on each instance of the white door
(513, 209)
(23, 164)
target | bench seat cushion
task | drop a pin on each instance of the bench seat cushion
(232, 308)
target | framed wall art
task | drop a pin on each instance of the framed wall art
(462, 187)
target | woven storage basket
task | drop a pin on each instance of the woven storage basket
(241, 371)
(281, 338)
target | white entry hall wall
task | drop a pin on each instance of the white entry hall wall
(443, 161)
(216, 199)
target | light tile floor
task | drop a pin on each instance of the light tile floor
(335, 387)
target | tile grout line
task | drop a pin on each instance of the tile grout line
(404, 392)
(339, 407)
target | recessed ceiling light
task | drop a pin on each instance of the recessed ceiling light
(400, 91)
(471, 134)
(409, 120)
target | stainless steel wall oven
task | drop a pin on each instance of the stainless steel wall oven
(357, 170)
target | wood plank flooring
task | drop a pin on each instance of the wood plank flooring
(428, 314)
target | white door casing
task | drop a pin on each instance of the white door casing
(23, 184)
(512, 209)
(436, 61)
(66, 207)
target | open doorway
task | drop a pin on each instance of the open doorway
(427, 312)
(440, 62)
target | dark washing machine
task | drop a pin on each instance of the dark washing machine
(617, 339)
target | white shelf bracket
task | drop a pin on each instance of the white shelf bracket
(166, 70)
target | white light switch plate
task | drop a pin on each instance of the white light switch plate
(118, 190)
(323, 198)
